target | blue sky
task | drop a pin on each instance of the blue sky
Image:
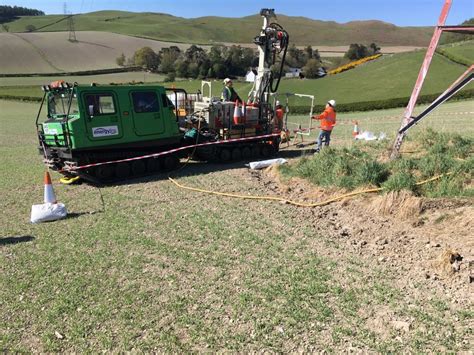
(399, 12)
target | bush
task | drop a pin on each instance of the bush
(30, 28)
(170, 77)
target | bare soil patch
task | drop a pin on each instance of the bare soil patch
(430, 241)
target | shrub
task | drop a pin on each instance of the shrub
(353, 64)
(30, 28)
(170, 77)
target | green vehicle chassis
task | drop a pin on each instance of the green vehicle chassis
(92, 124)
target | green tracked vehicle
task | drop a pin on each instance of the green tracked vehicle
(93, 124)
(106, 133)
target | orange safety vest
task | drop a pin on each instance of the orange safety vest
(327, 118)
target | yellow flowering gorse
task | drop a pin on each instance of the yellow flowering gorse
(353, 64)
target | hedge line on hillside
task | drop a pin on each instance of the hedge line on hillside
(78, 73)
(350, 107)
(20, 98)
(460, 60)
(380, 104)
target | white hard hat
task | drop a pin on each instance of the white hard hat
(332, 103)
(277, 103)
(226, 80)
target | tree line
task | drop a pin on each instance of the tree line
(221, 61)
(8, 13)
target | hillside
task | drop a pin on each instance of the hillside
(390, 77)
(49, 52)
(208, 30)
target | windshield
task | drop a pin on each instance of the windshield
(58, 104)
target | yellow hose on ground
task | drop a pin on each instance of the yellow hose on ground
(290, 202)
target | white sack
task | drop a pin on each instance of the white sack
(369, 136)
(366, 136)
(47, 212)
(264, 163)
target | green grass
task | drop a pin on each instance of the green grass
(386, 78)
(210, 29)
(354, 167)
(462, 51)
(165, 270)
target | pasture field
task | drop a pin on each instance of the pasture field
(389, 77)
(159, 268)
(463, 50)
(455, 117)
(49, 52)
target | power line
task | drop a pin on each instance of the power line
(70, 25)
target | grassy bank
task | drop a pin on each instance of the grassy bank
(433, 154)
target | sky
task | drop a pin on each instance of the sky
(398, 12)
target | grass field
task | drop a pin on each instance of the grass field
(389, 77)
(208, 30)
(463, 50)
(453, 118)
(49, 52)
(163, 269)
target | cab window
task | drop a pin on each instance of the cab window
(100, 104)
(58, 104)
(145, 101)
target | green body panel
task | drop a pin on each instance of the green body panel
(116, 118)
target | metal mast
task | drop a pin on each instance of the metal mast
(70, 25)
(408, 120)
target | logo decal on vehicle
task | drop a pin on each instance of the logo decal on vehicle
(48, 130)
(105, 131)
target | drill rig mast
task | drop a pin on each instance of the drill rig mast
(273, 40)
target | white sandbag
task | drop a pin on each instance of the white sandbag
(366, 136)
(265, 163)
(47, 212)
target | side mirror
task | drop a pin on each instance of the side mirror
(91, 110)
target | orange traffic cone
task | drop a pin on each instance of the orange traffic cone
(356, 130)
(49, 196)
(237, 113)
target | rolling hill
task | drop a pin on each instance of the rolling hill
(49, 52)
(209, 30)
(389, 77)
(382, 79)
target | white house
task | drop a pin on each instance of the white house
(293, 73)
(251, 75)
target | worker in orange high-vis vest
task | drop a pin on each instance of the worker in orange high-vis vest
(328, 121)
(279, 115)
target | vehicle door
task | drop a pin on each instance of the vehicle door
(147, 112)
(102, 116)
